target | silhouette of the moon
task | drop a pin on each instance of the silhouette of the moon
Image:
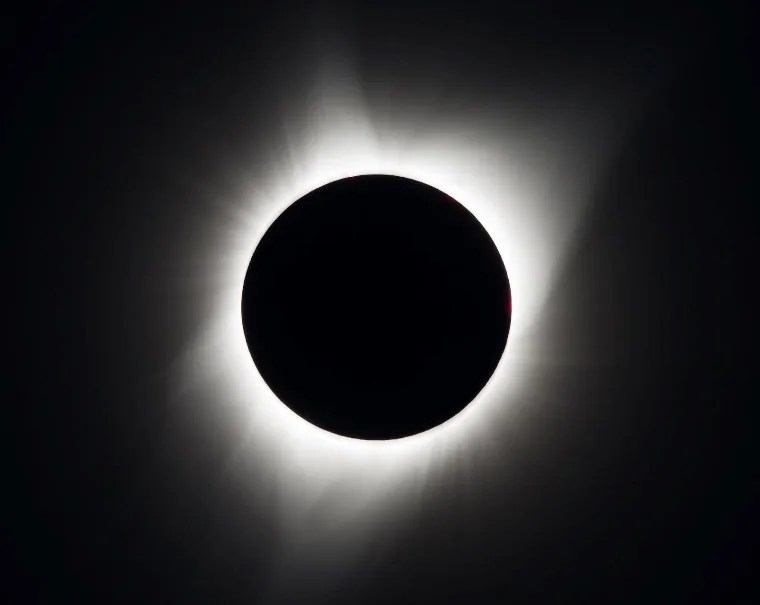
(376, 307)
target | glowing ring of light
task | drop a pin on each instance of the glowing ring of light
(475, 168)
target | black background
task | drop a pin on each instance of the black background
(635, 482)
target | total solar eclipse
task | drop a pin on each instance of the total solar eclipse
(376, 307)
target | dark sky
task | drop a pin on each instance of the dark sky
(633, 482)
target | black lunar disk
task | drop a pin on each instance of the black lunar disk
(376, 307)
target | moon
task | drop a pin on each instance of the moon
(376, 307)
